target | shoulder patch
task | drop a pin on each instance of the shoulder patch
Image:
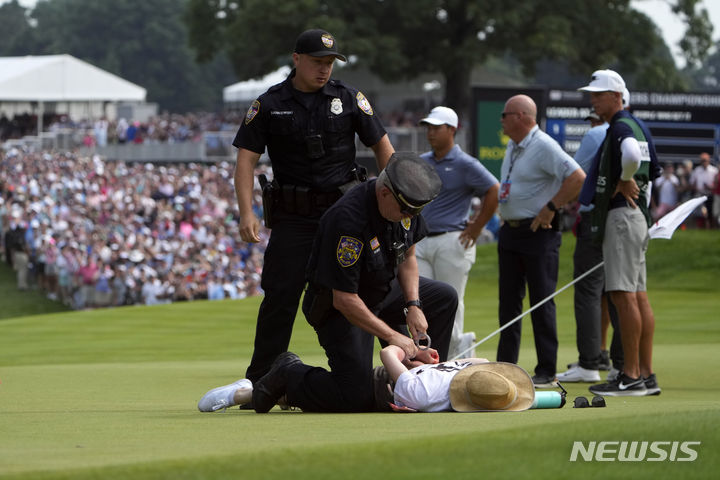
(348, 251)
(252, 111)
(363, 103)
(406, 223)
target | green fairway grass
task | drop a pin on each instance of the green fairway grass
(112, 394)
(16, 303)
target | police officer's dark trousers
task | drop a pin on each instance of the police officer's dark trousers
(283, 280)
(348, 386)
(527, 257)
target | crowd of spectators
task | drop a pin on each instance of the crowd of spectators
(91, 233)
(162, 128)
(683, 181)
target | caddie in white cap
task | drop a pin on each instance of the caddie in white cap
(618, 185)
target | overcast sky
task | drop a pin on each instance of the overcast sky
(671, 25)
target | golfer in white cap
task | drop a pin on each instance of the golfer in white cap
(448, 252)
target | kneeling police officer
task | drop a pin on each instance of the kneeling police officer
(363, 283)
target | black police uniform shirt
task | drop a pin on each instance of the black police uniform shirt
(288, 122)
(355, 248)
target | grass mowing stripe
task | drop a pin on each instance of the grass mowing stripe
(543, 452)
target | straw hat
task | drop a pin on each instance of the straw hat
(491, 386)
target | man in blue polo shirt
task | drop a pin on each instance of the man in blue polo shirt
(448, 252)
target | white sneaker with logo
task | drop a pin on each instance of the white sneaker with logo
(579, 374)
(223, 397)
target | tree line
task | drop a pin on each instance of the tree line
(184, 52)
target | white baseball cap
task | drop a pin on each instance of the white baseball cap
(626, 98)
(605, 81)
(441, 116)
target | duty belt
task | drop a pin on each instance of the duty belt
(303, 200)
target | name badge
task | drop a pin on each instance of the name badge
(644, 151)
(504, 191)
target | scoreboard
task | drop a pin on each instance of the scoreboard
(683, 125)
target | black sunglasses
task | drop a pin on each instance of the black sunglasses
(505, 114)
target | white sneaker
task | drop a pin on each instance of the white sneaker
(613, 374)
(222, 397)
(579, 374)
(468, 341)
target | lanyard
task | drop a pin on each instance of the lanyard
(517, 151)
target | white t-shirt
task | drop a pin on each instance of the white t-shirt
(427, 388)
(702, 178)
(667, 189)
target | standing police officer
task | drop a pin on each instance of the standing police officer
(308, 124)
(363, 283)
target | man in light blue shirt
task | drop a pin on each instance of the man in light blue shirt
(537, 177)
(448, 252)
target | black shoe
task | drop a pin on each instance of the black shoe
(268, 390)
(622, 386)
(382, 384)
(604, 360)
(544, 381)
(652, 386)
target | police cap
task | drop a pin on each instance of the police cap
(317, 43)
(413, 182)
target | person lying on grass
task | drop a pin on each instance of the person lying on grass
(422, 385)
(463, 385)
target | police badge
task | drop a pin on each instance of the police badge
(348, 251)
(336, 106)
(406, 223)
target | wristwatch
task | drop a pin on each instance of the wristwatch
(552, 206)
(413, 303)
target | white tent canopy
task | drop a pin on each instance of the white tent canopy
(62, 78)
(249, 90)
(37, 80)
